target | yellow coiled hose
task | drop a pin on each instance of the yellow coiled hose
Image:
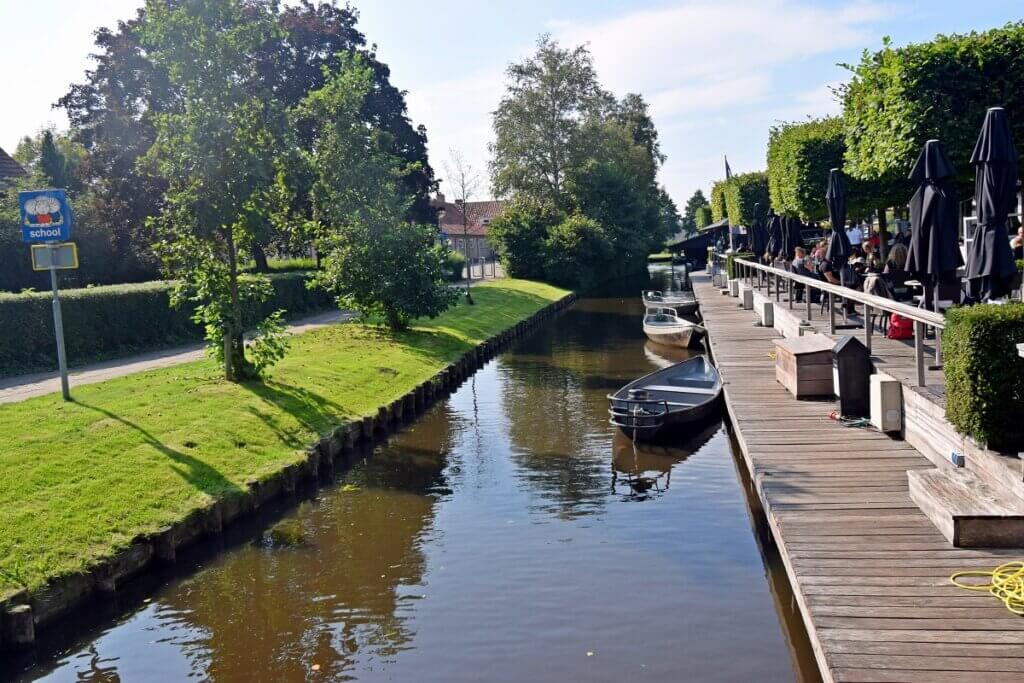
(1006, 582)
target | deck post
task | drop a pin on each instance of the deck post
(807, 301)
(831, 313)
(789, 291)
(919, 330)
(778, 289)
(868, 326)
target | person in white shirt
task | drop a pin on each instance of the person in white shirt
(855, 234)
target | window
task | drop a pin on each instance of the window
(472, 247)
(460, 245)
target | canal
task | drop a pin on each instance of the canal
(508, 535)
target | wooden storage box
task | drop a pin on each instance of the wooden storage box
(804, 365)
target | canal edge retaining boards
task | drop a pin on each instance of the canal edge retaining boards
(22, 613)
(868, 570)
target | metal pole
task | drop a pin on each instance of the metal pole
(919, 329)
(807, 299)
(868, 326)
(58, 326)
(831, 313)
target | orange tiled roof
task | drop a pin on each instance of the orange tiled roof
(480, 215)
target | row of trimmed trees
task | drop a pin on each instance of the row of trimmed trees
(897, 99)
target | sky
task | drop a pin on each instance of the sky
(717, 74)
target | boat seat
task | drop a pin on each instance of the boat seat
(681, 390)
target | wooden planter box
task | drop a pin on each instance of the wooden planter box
(804, 365)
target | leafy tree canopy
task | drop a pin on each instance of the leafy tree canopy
(696, 201)
(899, 98)
(742, 193)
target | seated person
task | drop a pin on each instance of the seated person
(895, 272)
(1017, 242)
(871, 260)
(801, 265)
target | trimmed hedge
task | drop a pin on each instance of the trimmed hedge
(742, 193)
(105, 322)
(984, 374)
(718, 209)
(702, 217)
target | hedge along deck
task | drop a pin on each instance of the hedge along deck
(22, 613)
(869, 571)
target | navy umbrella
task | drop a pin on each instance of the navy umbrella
(792, 231)
(774, 246)
(990, 266)
(758, 233)
(839, 248)
(934, 255)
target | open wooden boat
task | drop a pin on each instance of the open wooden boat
(684, 303)
(682, 396)
(663, 326)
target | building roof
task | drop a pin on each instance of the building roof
(480, 216)
(9, 168)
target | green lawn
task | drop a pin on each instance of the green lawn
(80, 480)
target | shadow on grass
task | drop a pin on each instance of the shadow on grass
(313, 412)
(195, 471)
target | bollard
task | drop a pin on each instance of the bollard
(19, 627)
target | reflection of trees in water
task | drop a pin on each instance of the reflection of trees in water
(335, 599)
(555, 402)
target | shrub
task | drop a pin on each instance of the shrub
(454, 262)
(518, 235)
(104, 322)
(577, 251)
(984, 374)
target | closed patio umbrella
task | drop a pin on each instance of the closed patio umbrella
(934, 254)
(774, 246)
(758, 233)
(792, 230)
(839, 248)
(990, 266)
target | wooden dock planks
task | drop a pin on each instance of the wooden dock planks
(869, 571)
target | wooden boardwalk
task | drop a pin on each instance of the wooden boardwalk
(869, 571)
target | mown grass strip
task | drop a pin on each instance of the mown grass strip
(79, 481)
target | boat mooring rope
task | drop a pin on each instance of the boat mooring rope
(1006, 582)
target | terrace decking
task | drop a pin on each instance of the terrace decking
(869, 570)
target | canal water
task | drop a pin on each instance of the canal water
(508, 535)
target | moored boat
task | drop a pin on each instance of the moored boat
(683, 395)
(663, 326)
(684, 303)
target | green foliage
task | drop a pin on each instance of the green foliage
(730, 262)
(575, 252)
(984, 375)
(718, 208)
(105, 322)
(454, 264)
(742, 193)
(702, 216)
(518, 236)
(694, 204)
(565, 146)
(539, 123)
(899, 98)
(220, 156)
(800, 157)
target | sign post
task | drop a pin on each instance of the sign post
(46, 220)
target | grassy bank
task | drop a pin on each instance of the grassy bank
(79, 481)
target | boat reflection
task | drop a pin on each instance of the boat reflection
(641, 471)
(662, 356)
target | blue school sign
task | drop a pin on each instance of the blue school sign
(45, 216)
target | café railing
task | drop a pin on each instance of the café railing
(760, 275)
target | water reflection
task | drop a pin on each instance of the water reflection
(497, 538)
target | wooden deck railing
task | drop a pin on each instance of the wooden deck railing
(775, 279)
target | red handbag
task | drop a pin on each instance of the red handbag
(900, 327)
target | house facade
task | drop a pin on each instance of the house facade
(9, 168)
(466, 227)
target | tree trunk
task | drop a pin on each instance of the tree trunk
(393, 319)
(234, 348)
(883, 236)
(260, 257)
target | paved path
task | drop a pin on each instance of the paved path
(869, 571)
(14, 389)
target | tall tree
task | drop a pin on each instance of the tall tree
(376, 260)
(113, 111)
(219, 155)
(539, 121)
(693, 205)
